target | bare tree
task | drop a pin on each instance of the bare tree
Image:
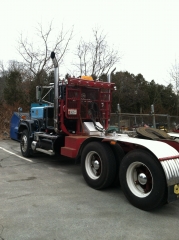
(174, 76)
(2, 69)
(96, 57)
(37, 55)
(2, 81)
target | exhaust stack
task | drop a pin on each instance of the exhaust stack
(56, 79)
(109, 76)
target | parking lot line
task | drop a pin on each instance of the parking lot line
(16, 155)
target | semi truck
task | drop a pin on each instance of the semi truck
(75, 124)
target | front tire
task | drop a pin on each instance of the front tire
(143, 180)
(98, 165)
(25, 144)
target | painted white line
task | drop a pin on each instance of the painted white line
(16, 155)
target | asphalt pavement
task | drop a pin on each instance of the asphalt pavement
(46, 198)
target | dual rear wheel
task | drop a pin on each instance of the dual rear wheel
(141, 176)
(143, 180)
(98, 165)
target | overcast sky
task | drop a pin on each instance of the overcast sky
(146, 32)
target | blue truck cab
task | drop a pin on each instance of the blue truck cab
(41, 113)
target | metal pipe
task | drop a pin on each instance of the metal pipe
(118, 112)
(153, 115)
(109, 75)
(56, 79)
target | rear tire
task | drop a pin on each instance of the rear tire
(25, 144)
(143, 180)
(98, 165)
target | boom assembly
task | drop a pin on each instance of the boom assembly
(74, 124)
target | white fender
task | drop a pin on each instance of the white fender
(166, 154)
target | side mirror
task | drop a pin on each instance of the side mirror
(19, 109)
(38, 93)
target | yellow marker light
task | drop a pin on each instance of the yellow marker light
(89, 78)
(112, 142)
(176, 189)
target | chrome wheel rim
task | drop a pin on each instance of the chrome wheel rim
(139, 179)
(24, 143)
(93, 165)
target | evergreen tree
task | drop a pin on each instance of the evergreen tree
(13, 92)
